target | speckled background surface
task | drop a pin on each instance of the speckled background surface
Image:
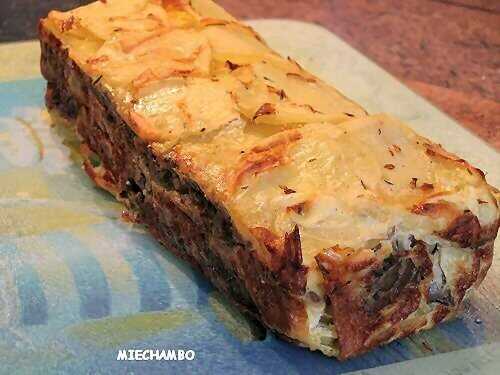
(446, 50)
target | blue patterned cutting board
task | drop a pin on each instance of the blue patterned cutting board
(77, 283)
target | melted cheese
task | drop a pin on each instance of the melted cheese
(266, 140)
(351, 182)
(176, 69)
(244, 123)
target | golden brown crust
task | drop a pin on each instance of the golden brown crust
(264, 157)
(356, 231)
(276, 292)
(464, 230)
(437, 151)
(485, 255)
(436, 210)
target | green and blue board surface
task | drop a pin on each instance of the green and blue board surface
(77, 283)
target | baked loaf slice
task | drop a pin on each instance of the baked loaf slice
(336, 229)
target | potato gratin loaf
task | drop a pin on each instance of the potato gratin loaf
(337, 229)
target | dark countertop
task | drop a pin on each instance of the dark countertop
(446, 50)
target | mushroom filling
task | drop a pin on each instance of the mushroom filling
(400, 269)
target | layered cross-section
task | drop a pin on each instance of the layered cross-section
(337, 229)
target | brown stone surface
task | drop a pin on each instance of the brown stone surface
(446, 50)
